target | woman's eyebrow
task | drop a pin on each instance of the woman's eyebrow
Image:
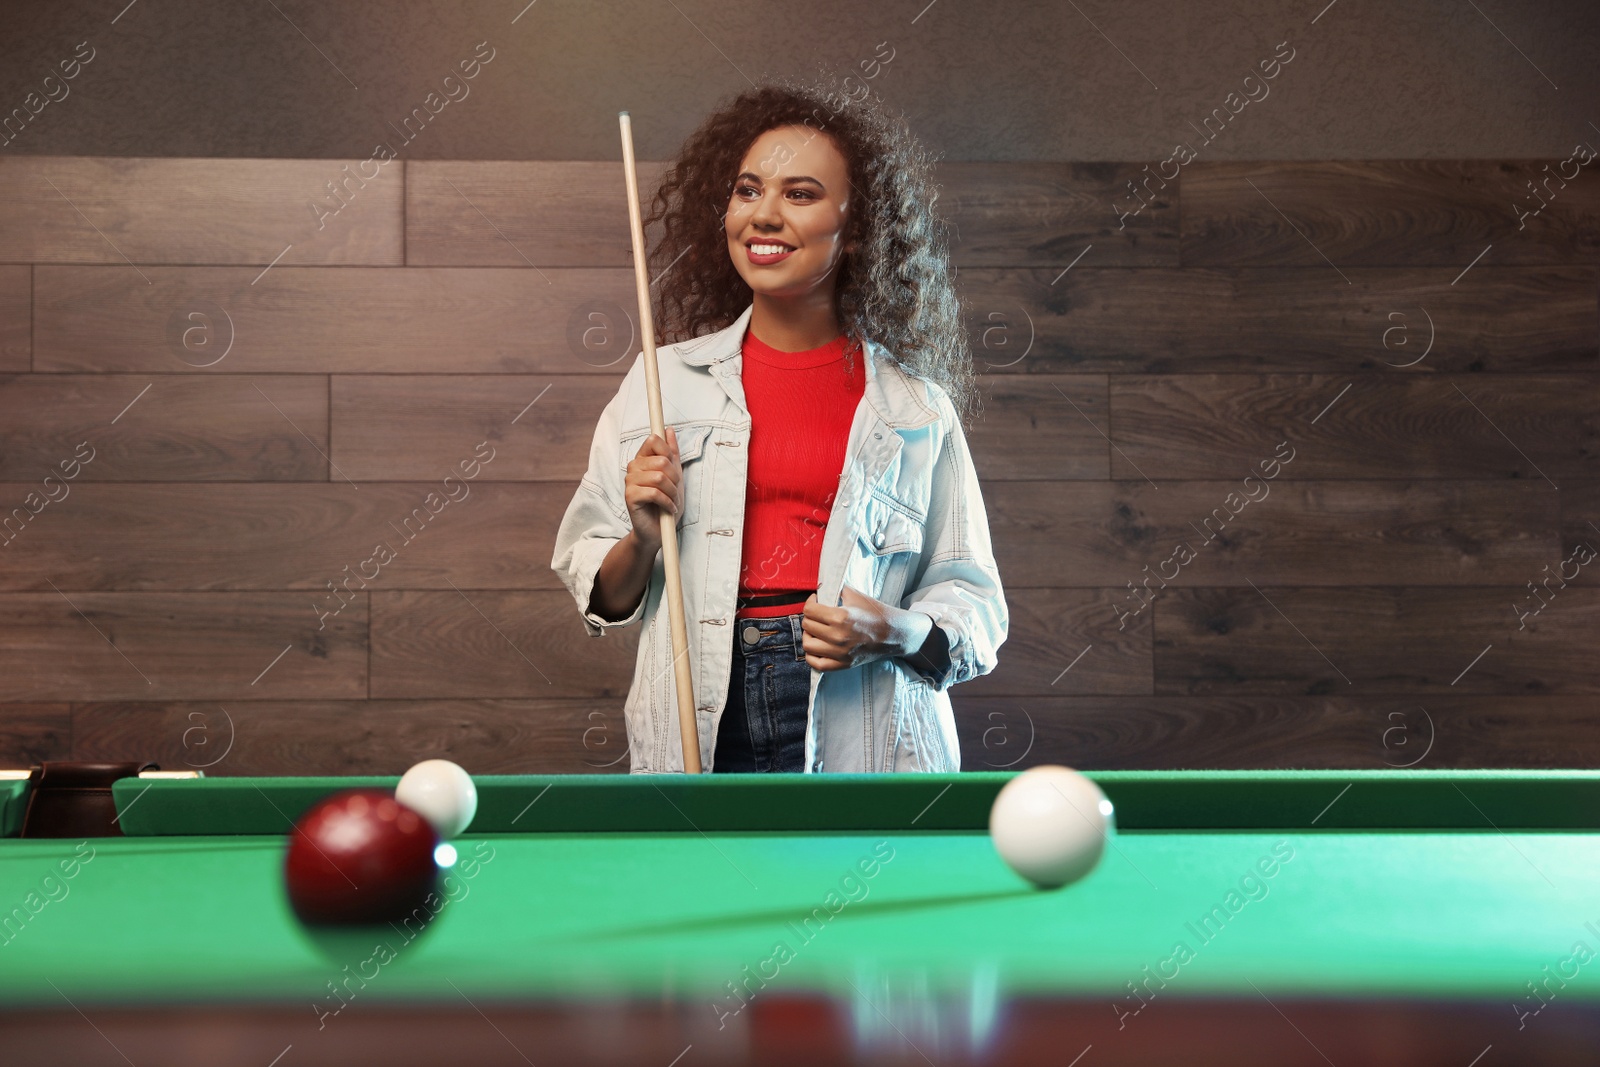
(790, 180)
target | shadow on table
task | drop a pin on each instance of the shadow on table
(365, 947)
(777, 915)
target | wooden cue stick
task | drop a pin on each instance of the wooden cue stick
(687, 730)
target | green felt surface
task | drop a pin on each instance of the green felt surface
(1202, 800)
(569, 915)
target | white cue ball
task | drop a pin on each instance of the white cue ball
(441, 792)
(1050, 824)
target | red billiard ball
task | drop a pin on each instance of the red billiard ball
(360, 856)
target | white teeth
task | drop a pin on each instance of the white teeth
(767, 250)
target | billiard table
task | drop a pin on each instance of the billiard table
(1349, 917)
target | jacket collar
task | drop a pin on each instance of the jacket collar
(888, 388)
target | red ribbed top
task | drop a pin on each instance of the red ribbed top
(801, 407)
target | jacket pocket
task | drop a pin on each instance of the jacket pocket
(919, 741)
(691, 451)
(892, 538)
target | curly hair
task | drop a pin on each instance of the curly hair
(897, 288)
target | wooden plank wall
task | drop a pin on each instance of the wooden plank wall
(239, 398)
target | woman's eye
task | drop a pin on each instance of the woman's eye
(803, 193)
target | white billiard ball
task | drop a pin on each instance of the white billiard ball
(1050, 824)
(442, 793)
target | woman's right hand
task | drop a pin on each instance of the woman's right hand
(654, 485)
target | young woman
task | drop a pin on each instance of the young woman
(834, 547)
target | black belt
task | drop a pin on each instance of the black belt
(764, 600)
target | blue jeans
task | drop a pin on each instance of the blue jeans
(763, 726)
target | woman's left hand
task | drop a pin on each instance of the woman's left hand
(857, 631)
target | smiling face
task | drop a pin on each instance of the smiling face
(787, 216)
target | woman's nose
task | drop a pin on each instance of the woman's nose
(767, 208)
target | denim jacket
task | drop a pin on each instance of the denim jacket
(907, 527)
